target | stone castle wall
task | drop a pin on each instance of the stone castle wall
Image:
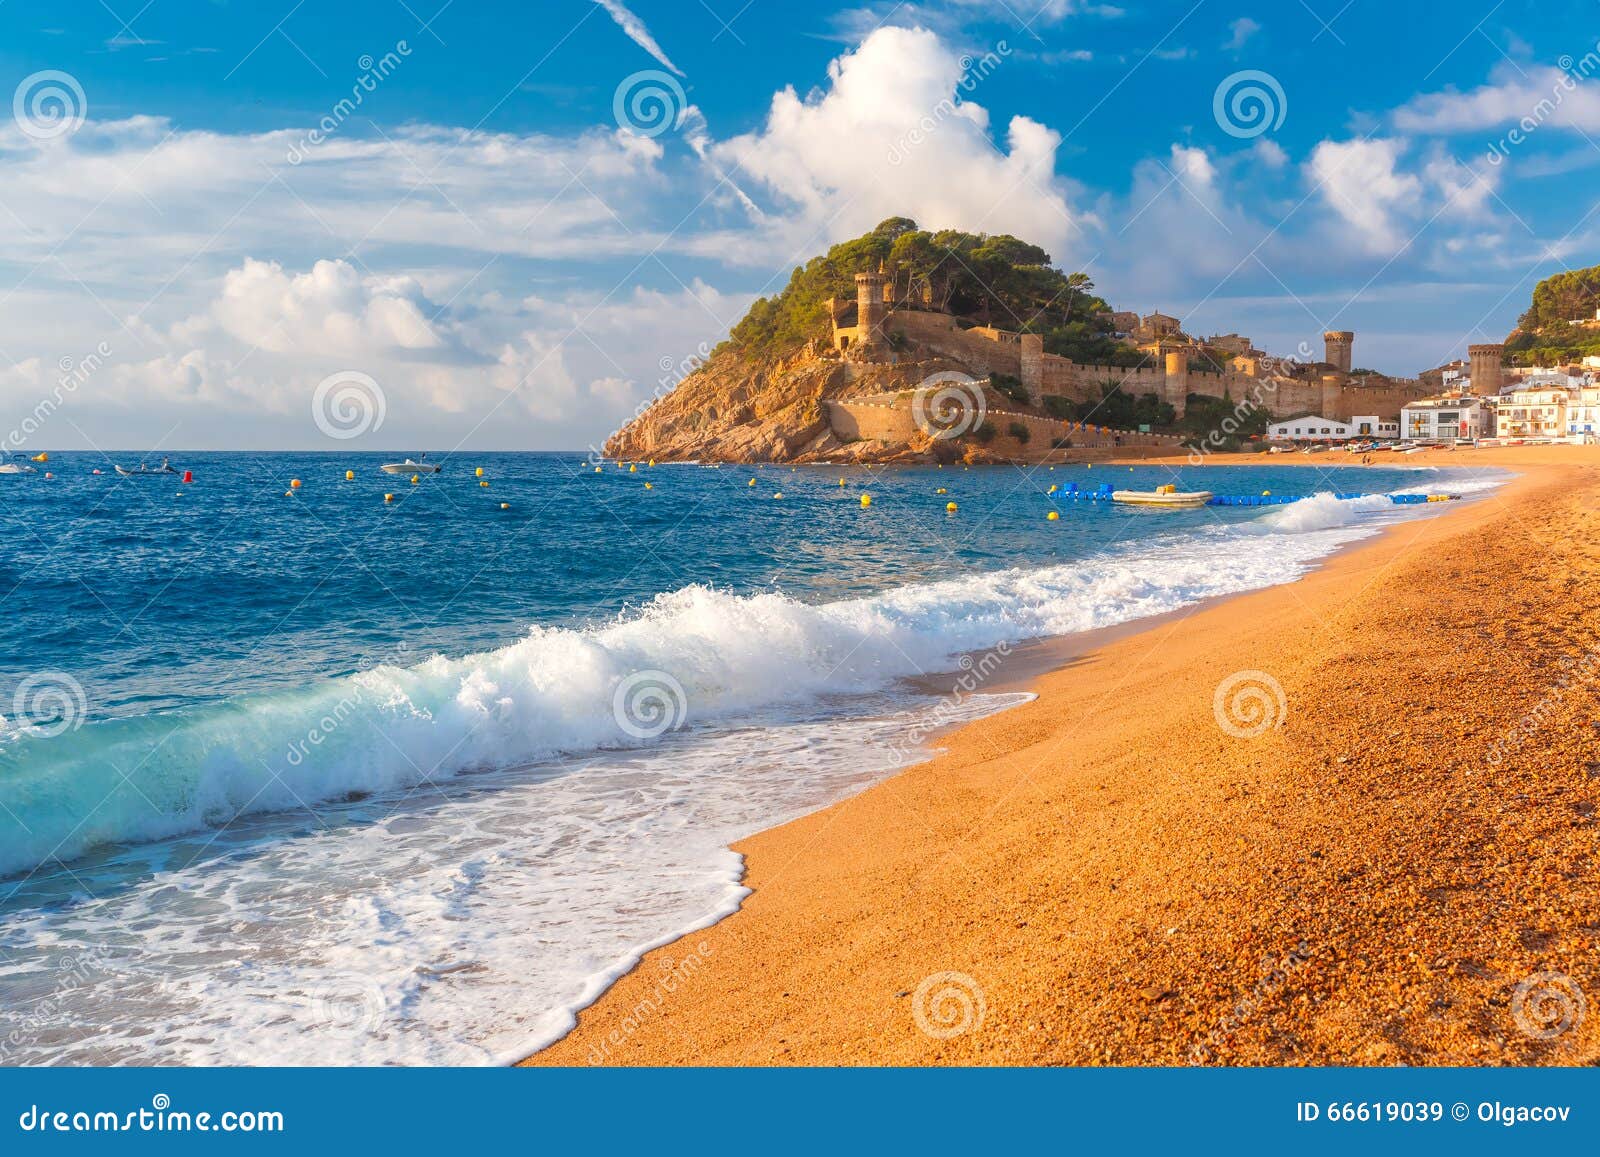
(875, 421)
(987, 350)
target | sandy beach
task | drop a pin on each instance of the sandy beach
(1376, 849)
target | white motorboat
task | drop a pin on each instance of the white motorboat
(1167, 497)
(410, 466)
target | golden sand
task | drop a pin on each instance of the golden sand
(1398, 870)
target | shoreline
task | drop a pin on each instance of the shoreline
(862, 862)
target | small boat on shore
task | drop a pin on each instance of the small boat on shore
(1167, 497)
(410, 466)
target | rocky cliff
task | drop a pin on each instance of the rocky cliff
(734, 410)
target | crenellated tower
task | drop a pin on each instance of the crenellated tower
(870, 340)
(1487, 374)
(1337, 343)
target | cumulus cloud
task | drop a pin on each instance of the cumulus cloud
(896, 133)
(1361, 182)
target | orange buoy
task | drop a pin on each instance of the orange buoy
(294, 484)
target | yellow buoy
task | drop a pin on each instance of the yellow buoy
(480, 471)
(841, 482)
(866, 500)
(388, 497)
(415, 479)
(505, 506)
(1266, 494)
(950, 507)
(294, 484)
(652, 461)
(1053, 516)
(349, 475)
(941, 490)
(485, 482)
(1052, 489)
(779, 494)
(597, 469)
(647, 486)
(752, 482)
(634, 469)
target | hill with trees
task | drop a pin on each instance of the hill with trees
(1551, 331)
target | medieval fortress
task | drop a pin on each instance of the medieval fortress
(878, 324)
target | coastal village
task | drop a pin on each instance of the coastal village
(1476, 400)
(894, 373)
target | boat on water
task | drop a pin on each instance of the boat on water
(141, 470)
(411, 466)
(16, 468)
(1167, 497)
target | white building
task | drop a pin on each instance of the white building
(1534, 411)
(1311, 428)
(1583, 414)
(1445, 419)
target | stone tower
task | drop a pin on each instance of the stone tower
(870, 340)
(1175, 382)
(1337, 342)
(1033, 366)
(1487, 376)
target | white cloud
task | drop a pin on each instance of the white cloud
(1359, 180)
(636, 31)
(895, 135)
(1269, 153)
(1465, 192)
(1529, 99)
(1239, 31)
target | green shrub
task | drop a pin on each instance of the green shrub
(1019, 431)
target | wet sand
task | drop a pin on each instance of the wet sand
(1376, 847)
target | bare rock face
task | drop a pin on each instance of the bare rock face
(730, 410)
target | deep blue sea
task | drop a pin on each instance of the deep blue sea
(292, 773)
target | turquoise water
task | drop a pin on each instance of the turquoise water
(320, 777)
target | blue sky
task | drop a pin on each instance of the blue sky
(200, 233)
